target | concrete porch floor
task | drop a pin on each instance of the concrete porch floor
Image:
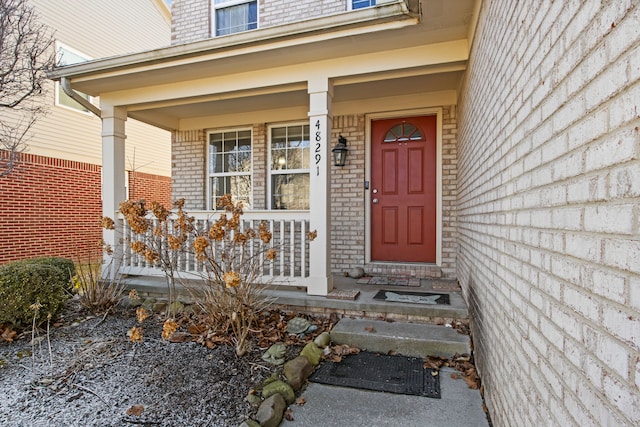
(292, 298)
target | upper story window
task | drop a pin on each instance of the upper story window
(289, 160)
(359, 4)
(68, 56)
(230, 166)
(234, 16)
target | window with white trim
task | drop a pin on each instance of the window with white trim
(234, 16)
(229, 169)
(361, 4)
(289, 166)
(68, 56)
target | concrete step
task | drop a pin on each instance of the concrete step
(408, 339)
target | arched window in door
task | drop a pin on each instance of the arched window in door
(403, 132)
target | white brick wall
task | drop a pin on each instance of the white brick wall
(347, 189)
(276, 12)
(188, 163)
(548, 210)
(191, 19)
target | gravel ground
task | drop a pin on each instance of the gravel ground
(97, 377)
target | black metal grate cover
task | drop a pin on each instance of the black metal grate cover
(443, 298)
(379, 372)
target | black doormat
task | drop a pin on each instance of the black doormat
(412, 297)
(379, 372)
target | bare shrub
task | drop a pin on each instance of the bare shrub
(98, 292)
(233, 259)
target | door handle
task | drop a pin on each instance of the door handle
(375, 200)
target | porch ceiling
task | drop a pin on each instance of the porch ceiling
(348, 92)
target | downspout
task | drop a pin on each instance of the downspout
(66, 87)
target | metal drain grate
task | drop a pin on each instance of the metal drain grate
(378, 372)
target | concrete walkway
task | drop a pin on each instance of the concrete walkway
(330, 406)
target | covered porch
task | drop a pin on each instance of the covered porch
(336, 75)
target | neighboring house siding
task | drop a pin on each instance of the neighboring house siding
(549, 189)
(192, 18)
(98, 31)
(106, 29)
(51, 204)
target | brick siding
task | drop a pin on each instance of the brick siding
(347, 191)
(52, 207)
(150, 187)
(191, 19)
(188, 162)
(548, 196)
(279, 12)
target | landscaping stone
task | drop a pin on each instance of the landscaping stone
(159, 306)
(322, 340)
(176, 307)
(130, 303)
(279, 387)
(296, 371)
(250, 423)
(271, 410)
(253, 398)
(313, 353)
(270, 379)
(148, 304)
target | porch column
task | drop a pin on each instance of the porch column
(113, 180)
(320, 96)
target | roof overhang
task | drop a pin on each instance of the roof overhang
(437, 31)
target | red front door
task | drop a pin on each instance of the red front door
(403, 189)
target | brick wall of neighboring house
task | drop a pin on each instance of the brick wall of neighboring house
(52, 207)
(150, 187)
(548, 205)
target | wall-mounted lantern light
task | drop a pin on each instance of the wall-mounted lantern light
(340, 151)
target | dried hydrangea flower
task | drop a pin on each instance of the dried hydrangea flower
(107, 223)
(169, 328)
(231, 279)
(141, 314)
(135, 334)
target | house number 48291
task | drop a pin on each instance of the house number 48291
(318, 138)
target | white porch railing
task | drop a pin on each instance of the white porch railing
(289, 230)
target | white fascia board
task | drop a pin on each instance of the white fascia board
(294, 76)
